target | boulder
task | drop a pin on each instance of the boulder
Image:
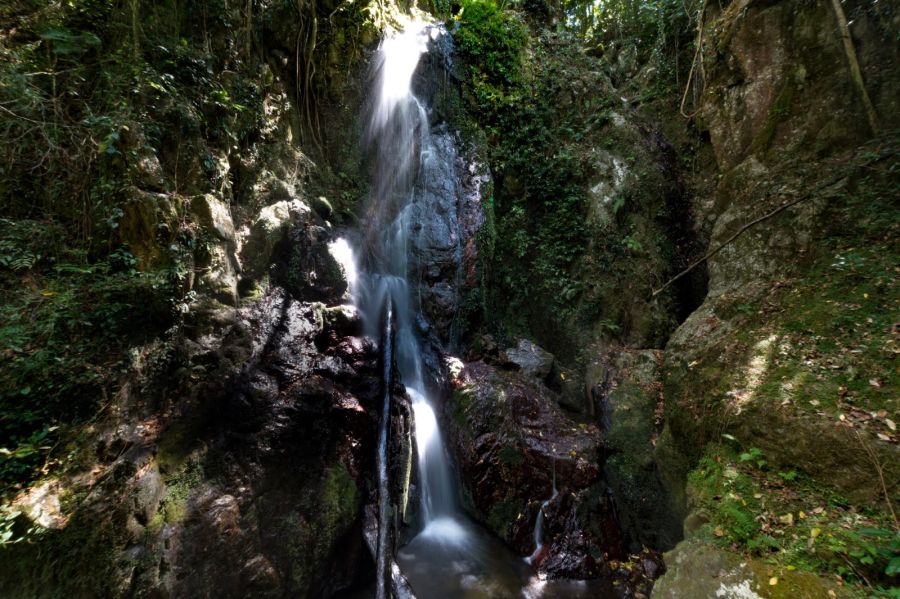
(530, 359)
(701, 571)
(514, 445)
(148, 224)
(269, 227)
(215, 215)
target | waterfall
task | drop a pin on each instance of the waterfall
(451, 557)
(538, 554)
(399, 140)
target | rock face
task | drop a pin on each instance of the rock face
(624, 385)
(786, 125)
(283, 479)
(701, 571)
(253, 483)
(784, 121)
(512, 441)
(219, 267)
(448, 217)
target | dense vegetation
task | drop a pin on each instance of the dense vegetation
(114, 117)
(121, 123)
(545, 106)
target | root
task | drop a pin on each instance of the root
(855, 71)
(698, 60)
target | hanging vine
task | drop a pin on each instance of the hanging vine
(695, 63)
(305, 69)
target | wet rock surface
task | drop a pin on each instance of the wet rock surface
(513, 443)
(271, 501)
(447, 216)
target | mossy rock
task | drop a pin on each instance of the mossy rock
(698, 570)
(150, 221)
(648, 514)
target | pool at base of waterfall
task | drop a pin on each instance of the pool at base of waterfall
(455, 558)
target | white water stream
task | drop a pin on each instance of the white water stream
(451, 557)
(399, 136)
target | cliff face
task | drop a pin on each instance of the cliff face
(790, 356)
(223, 440)
(215, 396)
(793, 151)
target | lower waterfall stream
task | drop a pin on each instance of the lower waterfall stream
(451, 556)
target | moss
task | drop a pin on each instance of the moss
(511, 456)
(503, 515)
(459, 406)
(77, 561)
(335, 503)
(779, 111)
(179, 485)
(177, 444)
(788, 521)
(340, 498)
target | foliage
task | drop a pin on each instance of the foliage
(790, 521)
(491, 42)
(549, 255)
(101, 103)
(638, 22)
(60, 343)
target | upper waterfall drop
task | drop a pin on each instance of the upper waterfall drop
(397, 60)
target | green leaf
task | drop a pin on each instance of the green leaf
(66, 43)
(893, 567)
(876, 532)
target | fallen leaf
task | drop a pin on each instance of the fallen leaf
(815, 532)
(787, 519)
(876, 383)
(884, 437)
(719, 532)
(773, 581)
(890, 424)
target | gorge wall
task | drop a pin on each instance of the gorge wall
(742, 418)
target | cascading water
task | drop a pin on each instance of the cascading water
(451, 556)
(399, 135)
(538, 553)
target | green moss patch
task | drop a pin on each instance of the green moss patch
(790, 522)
